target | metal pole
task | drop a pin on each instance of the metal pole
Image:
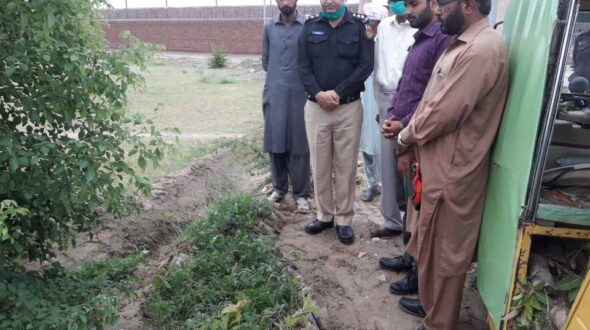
(546, 132)
(263, 12)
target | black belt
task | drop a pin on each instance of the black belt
(343, 100)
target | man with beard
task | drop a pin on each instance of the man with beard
(450, 136)
(283, 100)
(428, 46)
(335, 59)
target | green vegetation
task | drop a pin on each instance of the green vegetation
(246, 150)
(218, 58)
(231, 278)
(531, 304)
(571, 283)
(63, 121)
(214, 79)
(530, 307)
(58, 298)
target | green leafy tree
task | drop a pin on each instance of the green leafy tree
(63, 127)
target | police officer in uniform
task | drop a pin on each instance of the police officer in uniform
(335, 58)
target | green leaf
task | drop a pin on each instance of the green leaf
(539, 286)
(534, 303)
(51, 20)
(571, 296)
(542, 298)
(10, 70)
(141, 162)
(14, 163)
(569, 282)
(90, 174)
(47, 57)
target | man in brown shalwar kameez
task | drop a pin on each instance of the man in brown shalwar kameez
(450, 135)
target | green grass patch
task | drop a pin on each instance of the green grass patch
(232, 278)
(60, 298)
(248, 151)
(213, 79)
(199, 100)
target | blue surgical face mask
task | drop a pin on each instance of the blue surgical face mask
(398, 8)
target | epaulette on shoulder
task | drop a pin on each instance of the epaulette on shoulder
(310, 17)
(360, 17)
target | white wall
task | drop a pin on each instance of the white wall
(203, 3)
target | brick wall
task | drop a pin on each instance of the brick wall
(237, 29)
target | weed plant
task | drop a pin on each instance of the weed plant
(249, 151)
(232, 278)
(59, 298)
(218, 58)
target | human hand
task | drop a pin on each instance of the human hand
(404, 162)
(400, 149)
(328, 100)
(391, 128)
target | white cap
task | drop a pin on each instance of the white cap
(384, 3)
(375, 12)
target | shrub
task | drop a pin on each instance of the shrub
(63, 122)
(58, 298)
(218, 58)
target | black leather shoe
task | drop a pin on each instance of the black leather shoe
(407, 285)
(385, 232)
(396, 264)
(412, 306)
(422, 327)
(345, 234)
(317, 226)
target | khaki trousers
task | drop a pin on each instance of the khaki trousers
(334, 138)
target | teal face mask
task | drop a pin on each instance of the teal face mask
(398, 8)
(332, 16)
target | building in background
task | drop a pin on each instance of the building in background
(237, 29)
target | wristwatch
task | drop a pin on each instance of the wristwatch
(401, 143)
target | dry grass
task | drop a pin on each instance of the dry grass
(201, 102)
(209, 106)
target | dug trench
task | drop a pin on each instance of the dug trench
(345, 281)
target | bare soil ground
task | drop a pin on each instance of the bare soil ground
(347, 280)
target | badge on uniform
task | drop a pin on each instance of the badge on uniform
(370, 32)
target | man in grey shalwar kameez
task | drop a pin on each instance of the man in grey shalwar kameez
(283, 100)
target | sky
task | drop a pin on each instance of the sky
(202, 3)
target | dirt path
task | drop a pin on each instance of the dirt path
(347, 280)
